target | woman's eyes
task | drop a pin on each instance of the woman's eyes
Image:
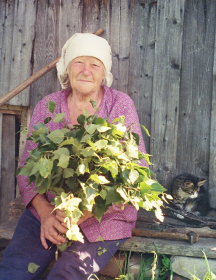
(95, 65)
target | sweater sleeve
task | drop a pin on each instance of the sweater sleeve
(27, 190)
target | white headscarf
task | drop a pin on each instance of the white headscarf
(84, 44)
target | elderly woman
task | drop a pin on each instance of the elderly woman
(84, 74)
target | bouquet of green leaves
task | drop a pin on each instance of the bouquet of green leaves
(90, 167)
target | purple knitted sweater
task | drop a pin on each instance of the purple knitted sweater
(116, 223)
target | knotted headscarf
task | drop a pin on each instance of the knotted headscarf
(84, 44)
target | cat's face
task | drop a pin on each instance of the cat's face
(192, 188)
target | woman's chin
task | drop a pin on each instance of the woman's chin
(86, 89)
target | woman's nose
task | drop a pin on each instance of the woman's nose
(86, 69)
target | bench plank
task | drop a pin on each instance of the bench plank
(171, 247)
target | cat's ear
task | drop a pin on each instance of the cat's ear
(201, 182)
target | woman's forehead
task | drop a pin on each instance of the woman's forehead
(90, 58)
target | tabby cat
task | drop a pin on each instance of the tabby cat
(189, 194)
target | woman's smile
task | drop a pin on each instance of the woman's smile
(86, 74)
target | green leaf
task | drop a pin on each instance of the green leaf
(100, 144)
(101, 122)
(156, 187)
(103, 194)
(72, 183)
(39, 125)
(86, 113)
(35, 169)
(91, 128)
(81, 169)
(120, 119)
(110, 165)
(125, 174)
(91, 144)
(100, 207)
(132, 151)
(62, 151)
(93, 103)
(144, 188)
(58, 117)
(28, 167)
(24, 131)
(32, 267)
(39, 132)
(68, 172)
(47, 120)
(42, 189)
(86, 137)
(51, 105)
(81, 119)
(121, 127)
(70, 141)
(65, 130)
(136, 136)
(95, 178)
(101, 251)
(103, 128)
(63, 161)
(147, 159)
(74, 234)
(46, 166)
(145, 129)
(103, 180)
(87, 152)
(62, 247)
(112, 151)
(122, 193)
(133, 176)
(56, 200)
(56, 136)
(90, 193)
(113, 197)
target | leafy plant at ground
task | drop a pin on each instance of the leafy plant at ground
(90, 167)
(209, 274)
(158, 266)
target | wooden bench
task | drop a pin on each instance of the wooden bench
(135, 243)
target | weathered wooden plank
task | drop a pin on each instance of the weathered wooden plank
(212, 161)
(69, 23)
(7, 190)
(141, 68)
(104, 19)
(119, 39)
(90, 16)
(124, 45)
(96, 14)
(24, 123)
(114, 17)
(165, 97)
(11, 110)
(46, 48)
(22, 43)
(6, 32)
(171, 247)
(196, 88)
(0, 148)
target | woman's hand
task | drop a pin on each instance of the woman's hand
(61, 217)
(50, 223)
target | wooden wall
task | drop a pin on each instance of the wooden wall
(164, 57)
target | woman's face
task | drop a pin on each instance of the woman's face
(86, 74)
